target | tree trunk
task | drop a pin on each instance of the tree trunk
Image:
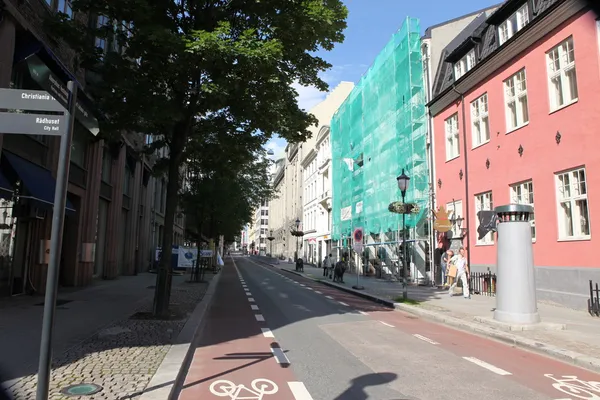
(164, 276)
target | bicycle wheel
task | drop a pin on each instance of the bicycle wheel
(223, 388)
(264, 386)
(577, 391)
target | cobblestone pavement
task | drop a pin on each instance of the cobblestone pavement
(122, 358)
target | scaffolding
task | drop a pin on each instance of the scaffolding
(380, 129)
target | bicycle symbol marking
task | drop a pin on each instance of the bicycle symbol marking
(259, 388)
(575, 387)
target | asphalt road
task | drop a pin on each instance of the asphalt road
(329, 345)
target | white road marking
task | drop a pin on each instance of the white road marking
(248, 294)
(254, 307)
(329, 297)
(309, 288)
(251, 299)
(386, 324)
(344, 304)
(259, 317)
(299, 391)
(425, 339)
(246, 289)
(363, 313)
(267, 332)
(302, 285)
(316, 291)
(280, 355)
(487, 366)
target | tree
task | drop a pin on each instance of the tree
(177, 69)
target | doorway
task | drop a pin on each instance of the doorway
(101, 239)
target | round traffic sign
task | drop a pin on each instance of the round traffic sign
(358, 235)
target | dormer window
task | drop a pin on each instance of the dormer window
(464, 65)
(513, 24)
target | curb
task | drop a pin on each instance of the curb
(578, 359)
(170, 375)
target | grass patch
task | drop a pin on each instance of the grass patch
(410, 302)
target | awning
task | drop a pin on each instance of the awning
(38, 181)
(6, 189)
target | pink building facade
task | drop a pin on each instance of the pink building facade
(516, 119)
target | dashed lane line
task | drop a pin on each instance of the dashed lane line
(259, 317)
(425, 339)
(251, 299)
(487, 366)
(363, 313)
(344, 304)
(386, 324)
(329, 297)
(299, 391)
(248, 294)
(267, 333)
(254, 307)
(316, 291)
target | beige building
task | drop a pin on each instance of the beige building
(316, 172)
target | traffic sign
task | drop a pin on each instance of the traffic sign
(33, 124)
(33, 100)
(358, 240)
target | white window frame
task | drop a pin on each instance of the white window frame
(452, 134)
(455, 211)
(522, 193)
(577, 192)
(464, 65)
(565, 72)
(479, 118)
(515, 92)
(513, 24)
(485, 202)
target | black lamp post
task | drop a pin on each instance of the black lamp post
(270, 239)
(297, 238)
(403, 181)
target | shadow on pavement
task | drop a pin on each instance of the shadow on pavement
(357, 392)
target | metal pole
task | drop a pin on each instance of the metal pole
(404, 264)
(58, 218)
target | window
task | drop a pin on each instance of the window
(513, 24)
(106, 165)
(522, 193)
(455, 211)
(484, 202)
(573, 213)
(464, 65)
(561, 75)
(102, 42)
(515, 96)
(127, 178)
(452, 142)
(480, 120)
(79, 147)
(64, 6)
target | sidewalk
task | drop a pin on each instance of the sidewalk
(566, 334)
(102, 336)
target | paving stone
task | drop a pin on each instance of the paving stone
(122, 358)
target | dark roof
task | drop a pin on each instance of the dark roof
(481, 33)
(427, 34)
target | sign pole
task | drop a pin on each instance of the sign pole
(58, 217)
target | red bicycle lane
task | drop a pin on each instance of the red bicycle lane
(234, 357)
(557, 379)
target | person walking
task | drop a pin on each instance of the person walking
(326, 265)
(462, 274)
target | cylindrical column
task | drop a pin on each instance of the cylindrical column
(516, 301)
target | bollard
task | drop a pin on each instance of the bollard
(516, 300)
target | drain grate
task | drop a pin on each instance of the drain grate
(82, 389)
(59, 302)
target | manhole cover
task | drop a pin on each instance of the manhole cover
(59, 302)
(83, 389)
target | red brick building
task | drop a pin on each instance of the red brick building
(516, 116)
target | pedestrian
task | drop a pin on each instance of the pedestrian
(444, 264)
(462, 274)
(326, 265)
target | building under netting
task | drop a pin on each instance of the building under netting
(380, 129)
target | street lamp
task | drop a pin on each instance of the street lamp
(270, 239)
(297, 238)
(403, 181)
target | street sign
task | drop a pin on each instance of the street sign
(33, 124)
(33, 100)
(442, 222)
(358, 240)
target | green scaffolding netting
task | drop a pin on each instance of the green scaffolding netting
(380, 129)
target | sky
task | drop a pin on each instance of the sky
(371, 24)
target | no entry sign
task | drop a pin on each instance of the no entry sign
(358, 240)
